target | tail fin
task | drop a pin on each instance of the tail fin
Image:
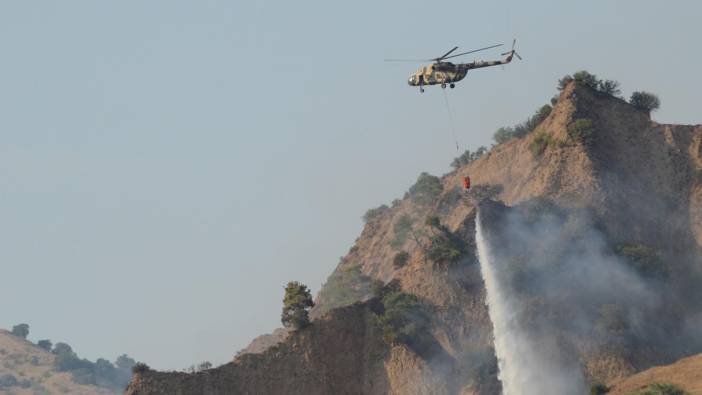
(512, 52)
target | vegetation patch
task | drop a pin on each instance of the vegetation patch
(346, 286)
(375, 213)
(401, 229)
(400, 259)
(522, 129)
(581, 131)
(660, 389)
(645, 101)
(598, 389)
(426, 189)
(541, 141)
(402, 319)
(468, 157)
(444, 246)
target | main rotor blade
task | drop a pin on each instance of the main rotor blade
(442, 57)
(407, 60)
(475, 50)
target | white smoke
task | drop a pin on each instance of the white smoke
(527, 365)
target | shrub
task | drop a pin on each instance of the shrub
(21, 330)
(598, 389)
(45, 344)
(400, 259)
(296, 304)
(204, 366)
(402, 317)
(346, 285)
(540, 142)
(374, 212)
(645, 101)
(581, 131)
(563, 82)
(62, 348)
(468, 157)
(503, 134)
(7, 381)
(444, 248)
(401, 229)
(644, 259)
(524, 128)
(660, 389)
(125, 362)
(140, 367)
(585, 78)
(426, 189)
(609, 87)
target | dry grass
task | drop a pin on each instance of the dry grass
(686, 373)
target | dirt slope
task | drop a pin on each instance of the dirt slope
(27, 362)
(686, 373)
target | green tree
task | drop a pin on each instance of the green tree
(140, 367)
(296, 305)
(645, 101)
(62, 348)
(45, 344)
(426, 189)
(400, 259)
(125, 362)
(563, 82)
(581, 130)
(503, 134)
(585, 78)
(467, 157)
(21, 330)
(374, 212)
(609, 87)
(204, 366)
(598, 389)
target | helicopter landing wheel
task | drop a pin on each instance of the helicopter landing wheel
(421, 90)
(443, 86)
(452, 86)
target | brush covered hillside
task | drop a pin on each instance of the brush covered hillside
(36, 369)
(594, 212)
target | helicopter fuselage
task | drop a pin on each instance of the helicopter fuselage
(449, 73)
(438, 73)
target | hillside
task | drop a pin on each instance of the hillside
(686, 373)
(33, 368)
(595, 222)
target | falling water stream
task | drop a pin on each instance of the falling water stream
(524, 368)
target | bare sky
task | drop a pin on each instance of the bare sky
(167, 166)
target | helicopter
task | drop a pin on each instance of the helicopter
(447, 73)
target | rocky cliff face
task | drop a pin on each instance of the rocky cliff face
(637, 182)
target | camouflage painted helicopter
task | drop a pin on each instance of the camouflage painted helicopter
(441, 72)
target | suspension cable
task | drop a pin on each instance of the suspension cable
(450, 116)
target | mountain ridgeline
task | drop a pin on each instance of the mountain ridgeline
(592, 216)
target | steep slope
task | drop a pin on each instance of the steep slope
(634, 183)
(685, 373)
(33, 369)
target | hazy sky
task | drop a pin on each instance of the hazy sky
(167, 166)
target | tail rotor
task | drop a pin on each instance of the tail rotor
(513, 51)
